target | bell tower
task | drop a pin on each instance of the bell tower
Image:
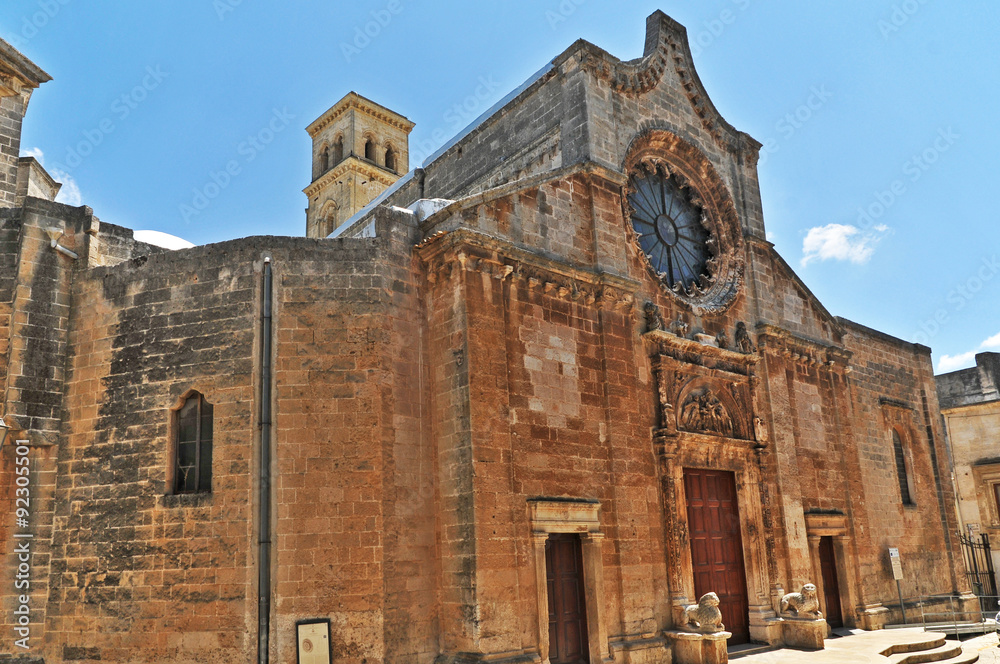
(359, 149)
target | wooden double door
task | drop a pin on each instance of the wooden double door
(717, 546)
(567, 603)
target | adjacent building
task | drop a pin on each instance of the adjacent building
(970, 405)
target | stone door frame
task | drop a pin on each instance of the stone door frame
(687, 450)
(580, 516)
(834, 526)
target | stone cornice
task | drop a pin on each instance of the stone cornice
(471, 251)
(353, 165)
(366, 106)
(968, 409)
(887, 402)
(826, 524)
(13, 64)
(593, 168)
(673, 345)
(779, 341)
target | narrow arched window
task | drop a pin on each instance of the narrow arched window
(370, 150)
(328, 219)
(902, 470)
(338, 152)
(390, 159)
(319, 166)
(193, 446)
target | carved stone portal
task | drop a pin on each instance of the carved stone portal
(702, 388)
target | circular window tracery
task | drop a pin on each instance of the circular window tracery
(669, 227)
(682, 221)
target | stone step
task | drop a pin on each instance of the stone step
(950, 652)
(927, 642)
(964, 658)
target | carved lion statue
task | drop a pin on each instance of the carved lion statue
(704, 616)
(803, 604)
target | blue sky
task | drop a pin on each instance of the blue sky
(878, 119)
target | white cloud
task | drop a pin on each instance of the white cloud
(992, 342)
(965, 360)
(69, 194)
(840, 242)
(954, 362)
(70, 191)
(159, 239)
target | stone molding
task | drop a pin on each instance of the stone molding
(18, 74)
(554, 515)
(589, 168)
(465, 250)
(366, 106)
(826, 525)
(801, 350)
(351, 164)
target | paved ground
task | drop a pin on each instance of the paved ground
(986, 646)
(864, 647)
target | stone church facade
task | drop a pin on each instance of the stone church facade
(541, 394)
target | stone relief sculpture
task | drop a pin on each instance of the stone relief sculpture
(678, 327)
(803, 604)
(760, 430)
(654, 321)
(743, 341)
(722, 339)
(704, 412)
(705, 616)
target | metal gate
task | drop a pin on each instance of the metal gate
(979, 567)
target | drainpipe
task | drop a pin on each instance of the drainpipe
(264, 540)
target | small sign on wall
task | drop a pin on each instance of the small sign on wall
(314, 641)
(973, 529)
(897, 565)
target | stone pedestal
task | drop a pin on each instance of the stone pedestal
(699, 648)
(805, 633)
(873, 617)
